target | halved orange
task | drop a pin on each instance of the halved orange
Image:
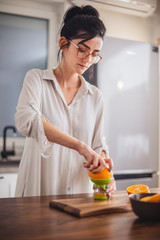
(154, 198)
(139, 188)
(145, 199)
(101, 175)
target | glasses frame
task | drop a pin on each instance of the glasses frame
(89, 54)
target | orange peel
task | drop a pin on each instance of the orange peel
(101, 175)
(154, 198)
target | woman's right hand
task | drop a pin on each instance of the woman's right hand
(94, 162)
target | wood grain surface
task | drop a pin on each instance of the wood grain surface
(83, 207)
(31, 218)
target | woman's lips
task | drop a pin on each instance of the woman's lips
(83, 66)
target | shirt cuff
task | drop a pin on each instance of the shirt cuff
(101, 148)
(45, 146)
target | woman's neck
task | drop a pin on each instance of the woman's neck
(67, 78)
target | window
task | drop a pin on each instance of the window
(23, 46)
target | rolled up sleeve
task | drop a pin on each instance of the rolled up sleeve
(99, 140)
(28, 117)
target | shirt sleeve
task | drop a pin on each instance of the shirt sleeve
(28, 116)
(99, 141)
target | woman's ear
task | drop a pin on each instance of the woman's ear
(63, 42)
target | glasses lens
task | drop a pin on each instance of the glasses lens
(83, 53)
(96, 59)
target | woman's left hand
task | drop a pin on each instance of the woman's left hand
(111, 187)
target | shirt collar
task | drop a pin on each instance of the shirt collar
(48, 74)
(86, 85)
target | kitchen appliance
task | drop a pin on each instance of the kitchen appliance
(142, 8)
(128, 79)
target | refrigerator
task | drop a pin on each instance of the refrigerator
(128, 76)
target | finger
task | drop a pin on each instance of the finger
(111, 183)
(84, 164)
(101, 165)
(111, 187)
(98, 169)
(112, 191)
(94, 164)
(88, 163)
(109, 162)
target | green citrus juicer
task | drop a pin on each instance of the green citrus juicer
(101, 181)
(100, 184)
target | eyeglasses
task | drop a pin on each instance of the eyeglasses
(83, 53)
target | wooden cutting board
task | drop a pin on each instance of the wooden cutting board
(87, 206)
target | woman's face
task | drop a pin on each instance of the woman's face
(73, 55)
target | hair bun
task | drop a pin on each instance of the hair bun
(89, 10)
(84, 10)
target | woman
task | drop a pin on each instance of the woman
(61, 115)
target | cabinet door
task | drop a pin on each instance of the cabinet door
(7, 185)
(5, 190)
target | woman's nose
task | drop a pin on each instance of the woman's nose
(88, 58)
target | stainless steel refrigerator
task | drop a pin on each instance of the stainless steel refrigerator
(128, 77)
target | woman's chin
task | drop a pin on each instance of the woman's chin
(81, 71)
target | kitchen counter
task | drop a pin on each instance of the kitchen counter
(32, 218)
(9, 166)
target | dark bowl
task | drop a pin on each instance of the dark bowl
(147, 210)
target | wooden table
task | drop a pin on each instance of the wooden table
(31, 218)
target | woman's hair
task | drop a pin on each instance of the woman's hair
(81, 22)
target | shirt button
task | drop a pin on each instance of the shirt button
(45, 142)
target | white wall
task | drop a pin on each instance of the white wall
(131, 27)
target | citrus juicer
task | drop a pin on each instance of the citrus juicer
(101, 181)
(100, 188)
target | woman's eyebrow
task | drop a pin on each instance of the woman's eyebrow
(96, 50)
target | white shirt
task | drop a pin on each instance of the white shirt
(47, 168)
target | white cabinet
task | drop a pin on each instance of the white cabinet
(7, 184)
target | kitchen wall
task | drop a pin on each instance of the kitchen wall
(131, 27)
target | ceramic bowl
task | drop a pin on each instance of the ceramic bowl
(146, 210)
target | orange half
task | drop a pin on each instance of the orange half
(101, 175)
(139, 188)
(154, 198)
